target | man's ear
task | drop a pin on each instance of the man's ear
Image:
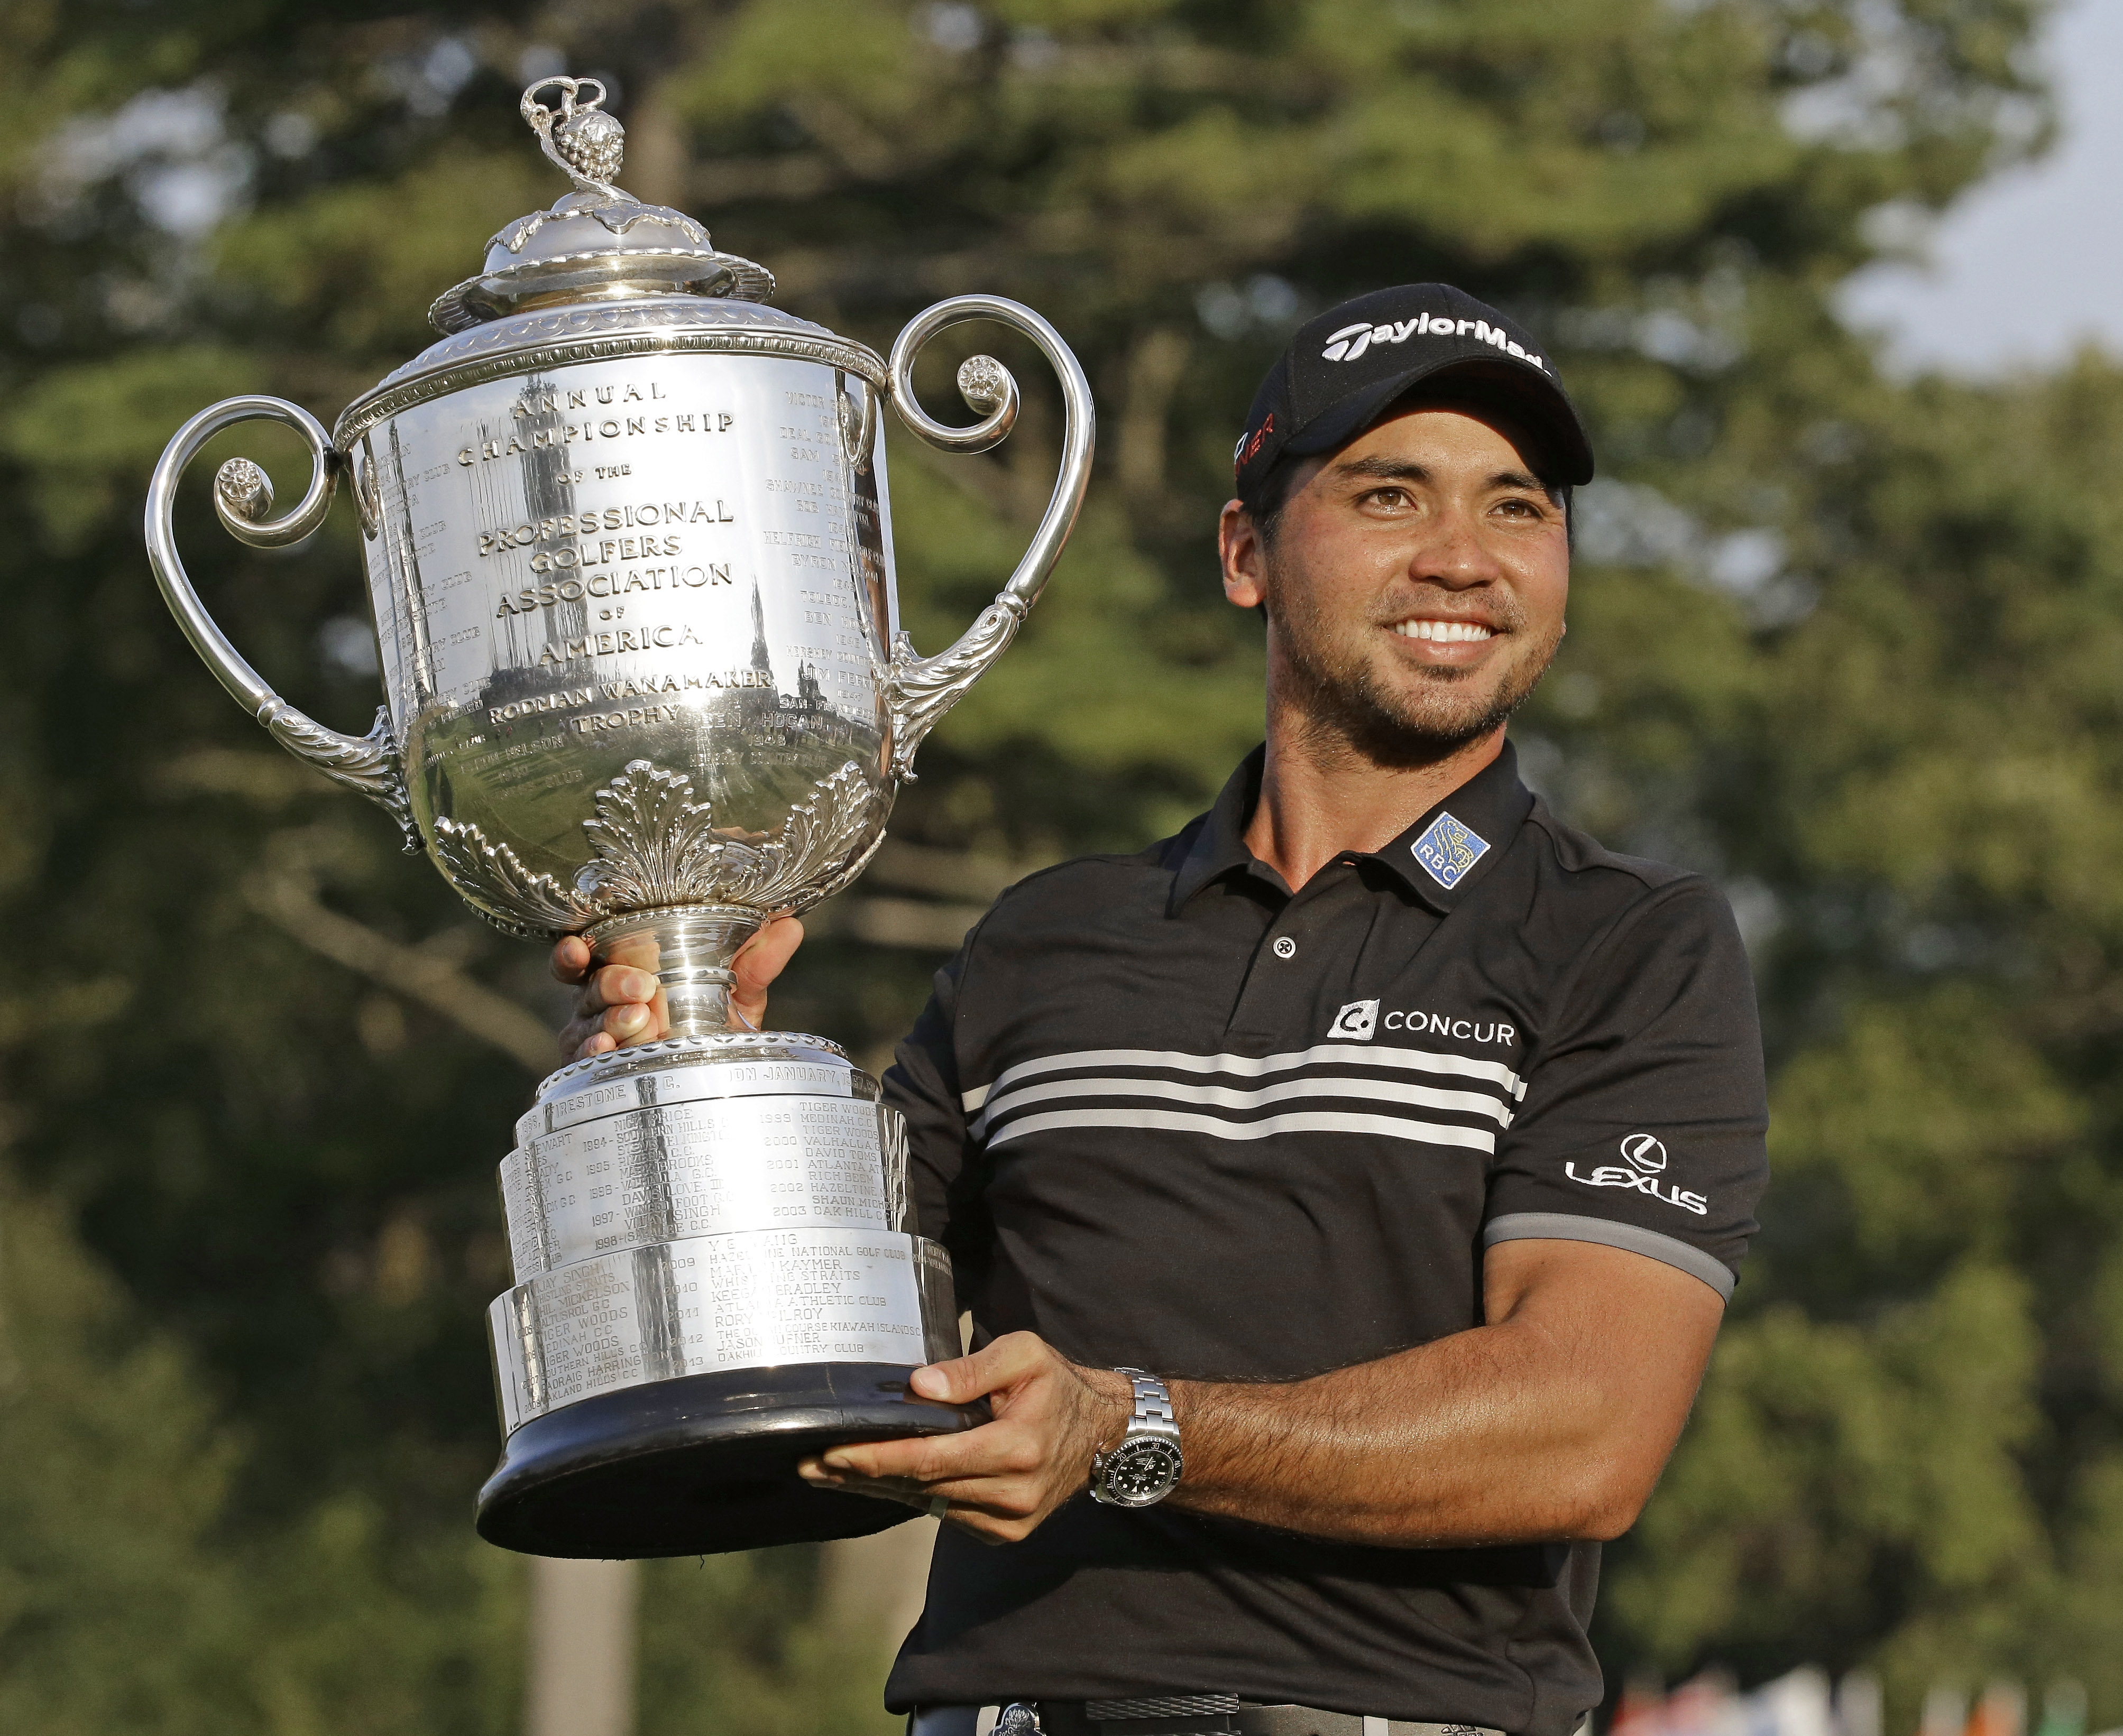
(1242, 553)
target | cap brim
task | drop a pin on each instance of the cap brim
(1516, 388)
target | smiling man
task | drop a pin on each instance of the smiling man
(1346, 1191)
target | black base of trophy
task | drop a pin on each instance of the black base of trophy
(703, 1464)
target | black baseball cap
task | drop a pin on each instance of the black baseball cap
(1344, 369)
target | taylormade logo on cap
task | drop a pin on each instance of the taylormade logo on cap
(1351, 341)
(1346, 367)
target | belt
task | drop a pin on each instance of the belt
(1168, 1715)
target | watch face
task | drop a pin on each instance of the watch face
(1139, 1472)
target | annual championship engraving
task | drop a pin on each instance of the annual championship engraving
(628, 542)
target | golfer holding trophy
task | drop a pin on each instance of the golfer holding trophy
(1345, 1191)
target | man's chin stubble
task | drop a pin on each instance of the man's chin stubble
(1345, 713)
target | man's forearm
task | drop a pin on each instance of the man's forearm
(1550, 1422)
(1540, 1427)
(1480, 1438)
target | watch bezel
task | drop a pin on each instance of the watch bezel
(1124, 1459)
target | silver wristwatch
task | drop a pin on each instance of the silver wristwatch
(1142, 1467)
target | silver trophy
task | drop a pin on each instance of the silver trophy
(628, 544)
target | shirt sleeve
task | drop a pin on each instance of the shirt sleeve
(943, 1177)
(1645, 1120)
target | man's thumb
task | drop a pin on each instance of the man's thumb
(953, 1381)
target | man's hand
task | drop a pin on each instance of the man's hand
(1004, 1478)
(622, 1003)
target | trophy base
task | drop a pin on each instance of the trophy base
(703, 1463)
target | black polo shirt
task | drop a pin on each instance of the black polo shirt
(1168, 1115)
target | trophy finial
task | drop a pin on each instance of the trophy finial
(596, 239)
(578, 136)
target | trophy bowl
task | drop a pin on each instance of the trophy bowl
(628, 542)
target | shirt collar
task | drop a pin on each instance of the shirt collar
(1437, 859)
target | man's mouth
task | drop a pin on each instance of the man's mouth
(1444, 632)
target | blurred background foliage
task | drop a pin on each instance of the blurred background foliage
(1846, 643)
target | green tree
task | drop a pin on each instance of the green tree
(1909, 1450)
(127, 1603)
(134, 1598)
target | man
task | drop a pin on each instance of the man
(1408, 1138)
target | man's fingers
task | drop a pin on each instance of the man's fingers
(627, 1024)
(969, 1496)
(957, 1382)
(965, 1378)
(625, 1004)
(892, 1461)
(996, 1449)
(883, 1489)
(762, 958)
(999, 1482)
(619, 1004)
(992, 1510)
(758, 962)
(617, 985)
(581, 1038)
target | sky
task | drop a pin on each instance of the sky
(2029, 266)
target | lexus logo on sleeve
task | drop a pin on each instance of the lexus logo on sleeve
(1356, 1021)
(1644, 1155)
(1645, 1152)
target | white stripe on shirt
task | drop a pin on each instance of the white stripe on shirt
(1351, 1055)
(1309, 1120)
(1227, 1096)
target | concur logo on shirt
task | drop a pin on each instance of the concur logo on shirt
(1357, 1021)
(1447, 849)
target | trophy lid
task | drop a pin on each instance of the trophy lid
(597, 243)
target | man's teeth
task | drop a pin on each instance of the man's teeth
(1444, 633)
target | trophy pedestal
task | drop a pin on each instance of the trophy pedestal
(703, 1464)
(716, 1277)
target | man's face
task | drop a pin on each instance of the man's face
(1414, 587)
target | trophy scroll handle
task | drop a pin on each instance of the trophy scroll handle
(923, 689)
(242, 495)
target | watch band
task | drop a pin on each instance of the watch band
(1151, 1420)
(1153, 1412)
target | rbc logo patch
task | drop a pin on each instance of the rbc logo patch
(1447, 849)
(1358, 1020)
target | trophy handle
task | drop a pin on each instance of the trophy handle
(368, 765)
(923, 689)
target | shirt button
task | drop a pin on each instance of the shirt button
(1284, 947)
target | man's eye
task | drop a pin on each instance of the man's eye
(1387, 498)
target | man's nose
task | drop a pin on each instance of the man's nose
(1454, 555)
